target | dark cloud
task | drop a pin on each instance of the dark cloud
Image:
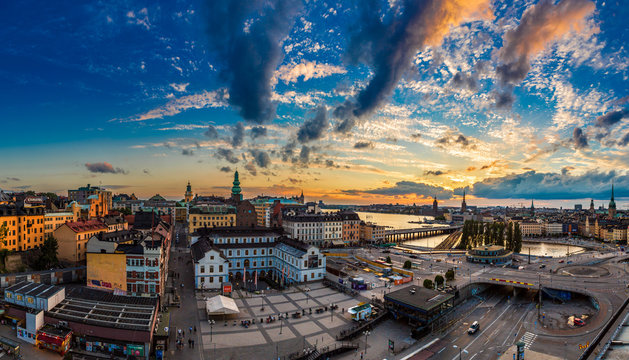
(453, 138)
(261, 158)
(304, 154)
(13, 179)
(258, 131)
(104, 168)
(251, 167)
(407, 188)
(611, 118)
(463, 81)
(146, 171)
(288, 150)
(579, 138)
(211, 132)
(239, 135)
(416, 136)
(226, 169)
(248, 52)
(625, 140)
(503, 98)
(364, 145)
(187, 152)
(330, 163)
(388, 43)
(227, 154)
(564, 185)
(294, 181)
(314, 129)
(435, 172)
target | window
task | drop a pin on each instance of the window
(211, 268)
(202, 280)
(211, 279)
(246, 252)
(220, 268)
(255, 252)
(202, 269)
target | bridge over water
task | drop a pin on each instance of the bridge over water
(399, 235)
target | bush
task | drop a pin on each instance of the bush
(450, 275)
(428, 284)
(439, 280)
(408, 264)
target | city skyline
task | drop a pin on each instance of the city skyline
(369, 102)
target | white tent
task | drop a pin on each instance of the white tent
(221, 305)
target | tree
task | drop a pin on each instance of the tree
(407, 264)
(450, 275)
(428, 284)
(501, 234)
(517, 238)
(125, 211)
(509, 241)
(4, 229)
(439, 280)
(48, 258)
(389, 259)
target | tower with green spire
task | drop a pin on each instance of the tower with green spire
(236, 190)
(188, 194)
(612, 203)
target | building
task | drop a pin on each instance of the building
(315, 229)
(246, 214)
(72, 238)
(553, 228)
(52, 220)
(435, 206)
(236, 190)
(531, 228)
(463, 203)
(98, 199)
(245, 254)
(115, 223)
(351, 227)
(578, 207)
(211, 216)
(418, 305)
(371, 233)
(592, 210)
(612, 205)
(188, 195)
(489, 254)
(620, 233)
(25, 227)
(265, 206)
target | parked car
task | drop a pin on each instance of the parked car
(413, 256)
(561, 261)
(473, 328)
(578, 322)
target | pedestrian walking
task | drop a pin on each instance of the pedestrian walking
(189, 343)
(190, 328)
(193, 343)
(195, 328)
(184, 333)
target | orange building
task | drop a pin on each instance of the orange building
(96, 200)
(72, 238)
(53, 220)
(25, 227)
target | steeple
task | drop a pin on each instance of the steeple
(236, 191)
(188, 194)
(532, 208)
(435, 206)
(301, 197)
(592, 206)
(612, 203)
(463, 204)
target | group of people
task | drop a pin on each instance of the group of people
(181, 335)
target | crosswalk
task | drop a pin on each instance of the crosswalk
(528, 339)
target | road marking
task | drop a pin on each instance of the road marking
(528, 339)
(473, 356)
(488, 326)
(516, 324)
(420, 349)
(439, 352)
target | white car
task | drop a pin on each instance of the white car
(473, 328)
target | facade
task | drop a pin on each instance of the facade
(98, 199)
(115, 223)
(553, 228)
(620, 233)
(418, 305)
(531, 228)
(489, 254)
(211, 216)
(53, 220)
(244, 254)
(371, 233)
(315, 229)
(246, 214)
(72, 238)
(264, 209)
(25, 227)
(351, 227)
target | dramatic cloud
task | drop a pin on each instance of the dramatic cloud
(407, 188)
(435, 172)
(314, 129)
(453, 138)
(364, 145)
(625, 140)
(104, 168)
(211, 132)
(308, 70)
(304, 154)
(388, 43)
(611, 118)
(251, 167)
(187, 152)
(258, 131)
(579, 138)
(531, 184)
(227, 155)
(460, 80)
(249, 50)
(261, 158)
(503, 98)
(238, 137)
(207, 99)
(226, 169)
(540, 25)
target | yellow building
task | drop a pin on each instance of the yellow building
(72, 238)
(211, 216)
(25, 227)
(55, 219)
(106, 267)
(370, 232)
(97, 199)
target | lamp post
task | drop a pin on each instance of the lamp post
(461, 351)
(367, 333)
(281, 323)
(211, 322)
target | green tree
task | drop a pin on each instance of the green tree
(4, 229)
(48, 258)
(509, 240)
(407, 264)
(428, 284)
(501, 234)
(389, 259)
(439, 280)
(517, 238)
(450, 275)
(125, 211)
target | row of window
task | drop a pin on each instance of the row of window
(141, 262)
(220, 268)
(244, 240)
(141, 275)
(143, 288)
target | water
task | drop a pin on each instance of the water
(541, 249)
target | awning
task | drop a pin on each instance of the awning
(338, 243)
(54, 340)
(221, 305)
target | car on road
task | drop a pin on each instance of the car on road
(561, 261)
(578, 322)
(386, 251)
(413, 256)
(542, 266)
(473, 328)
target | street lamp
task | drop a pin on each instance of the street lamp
(367, 333)
(211, 322)
(461, 351)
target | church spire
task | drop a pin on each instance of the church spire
(463, 203)
(236, 190)
(612, 203)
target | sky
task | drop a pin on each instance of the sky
(355, 102)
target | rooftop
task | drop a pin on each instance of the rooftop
(34, 289)
(89, 225)
(230, 231)
(422, 299)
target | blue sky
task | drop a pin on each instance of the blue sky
(358, 102)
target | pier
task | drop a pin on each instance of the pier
(400, 235)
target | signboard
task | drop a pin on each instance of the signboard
(227, 289)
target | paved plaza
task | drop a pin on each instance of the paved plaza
(224, 340)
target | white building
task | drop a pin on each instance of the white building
(553, 228)
(315, 229)
(235, 254)
(530, 228)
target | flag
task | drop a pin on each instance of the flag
(255, 278)
(244, 274)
